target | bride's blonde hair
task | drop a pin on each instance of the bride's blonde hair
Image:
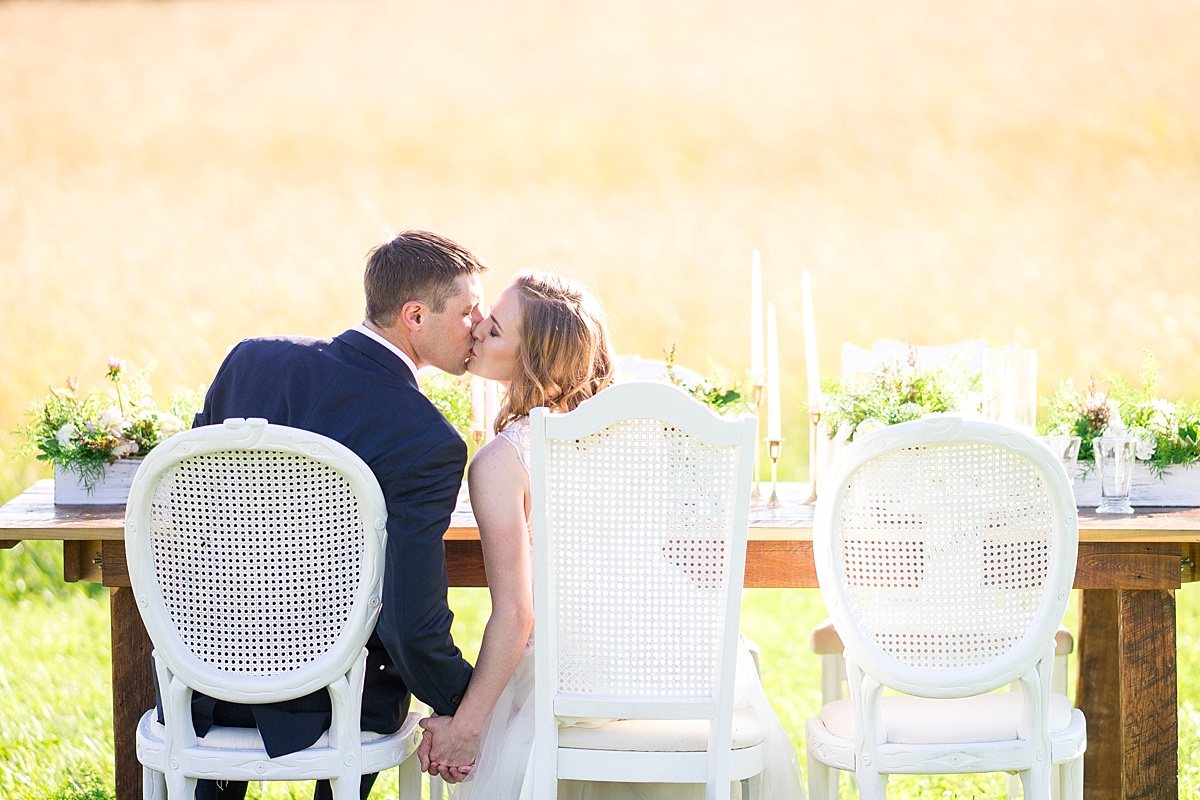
(564, 356)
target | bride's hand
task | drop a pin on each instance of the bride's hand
(446, 750)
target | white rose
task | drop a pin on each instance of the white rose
(1145, 445)
(867, 425)
(112, 420)
(66, 434)
(844, 432)
(169, 425)
(1161, 413)
(127, 447)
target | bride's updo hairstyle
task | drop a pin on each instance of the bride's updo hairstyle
(564, 356)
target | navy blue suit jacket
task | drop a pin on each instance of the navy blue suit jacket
(354, 390)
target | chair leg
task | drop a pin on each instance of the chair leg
(180, 786)
(437, 787)
(410, 779)
(822, 779)
(871, 785)
(345, 787)
(1069, 779)
(154, 785)
(1036, 781)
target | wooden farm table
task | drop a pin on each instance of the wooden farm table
(1129, 567)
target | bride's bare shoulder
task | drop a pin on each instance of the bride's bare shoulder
(495, 459)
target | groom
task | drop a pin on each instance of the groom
(422, 298)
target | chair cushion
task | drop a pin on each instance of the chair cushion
(250, 739)
(921, 720)
(661, 735)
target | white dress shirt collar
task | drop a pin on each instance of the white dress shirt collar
(365, 331)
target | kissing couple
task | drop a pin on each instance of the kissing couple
(545, 340)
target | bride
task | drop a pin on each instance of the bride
(545, 340)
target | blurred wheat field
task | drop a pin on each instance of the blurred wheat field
(177, 176)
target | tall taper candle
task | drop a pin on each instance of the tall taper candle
(774, 425)
(810, 342)
(756, 320)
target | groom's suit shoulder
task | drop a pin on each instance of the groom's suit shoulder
(349, 387)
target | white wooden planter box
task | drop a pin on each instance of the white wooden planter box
(1180, 486)
(110, 490)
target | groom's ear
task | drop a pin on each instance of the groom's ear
(412, 315)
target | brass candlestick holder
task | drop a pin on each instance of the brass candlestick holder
(814, 428)
(773, 448)
(754, 403)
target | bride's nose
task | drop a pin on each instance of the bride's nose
(476, 333)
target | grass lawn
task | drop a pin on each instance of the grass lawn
(55, 722)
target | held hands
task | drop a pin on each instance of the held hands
(445, 750)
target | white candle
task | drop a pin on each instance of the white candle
(491, 409)
(477, 401)
(774, 427)
(810, 342)
(756, 321)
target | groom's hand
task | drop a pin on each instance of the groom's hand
(446, 750)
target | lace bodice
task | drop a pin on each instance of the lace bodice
(517, 434)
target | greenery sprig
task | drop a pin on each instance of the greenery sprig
(1166, 433)
(721, 393)
(897, 392)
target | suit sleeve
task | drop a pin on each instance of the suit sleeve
(414, 623)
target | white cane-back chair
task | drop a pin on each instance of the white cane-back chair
(256, 558)
(945, 552)
(640, 504)
(857, 359)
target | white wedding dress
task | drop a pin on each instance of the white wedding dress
(507, 740)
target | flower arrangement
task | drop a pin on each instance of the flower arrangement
(722, 394)
(83, 433)
(1166, 433)
(897, 392)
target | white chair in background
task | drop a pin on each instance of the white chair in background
(256, 558)
(825, 642)
(886, 351)
(635, 368)
(945, 552)
(640, 504)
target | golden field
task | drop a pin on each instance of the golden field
(179, 175)
(175, 176)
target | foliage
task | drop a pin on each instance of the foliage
(722, 394)
(1166, 433)
(35, 569)
(85, 786)
(84, 432)
(451, 395)
(897, 392)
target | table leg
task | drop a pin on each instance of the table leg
(133, 691)
(1146, 627)
(1127, 691)
(1098, 693)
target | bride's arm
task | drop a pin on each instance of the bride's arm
(499, 487)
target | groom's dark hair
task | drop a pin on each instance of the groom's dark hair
(416, 265)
